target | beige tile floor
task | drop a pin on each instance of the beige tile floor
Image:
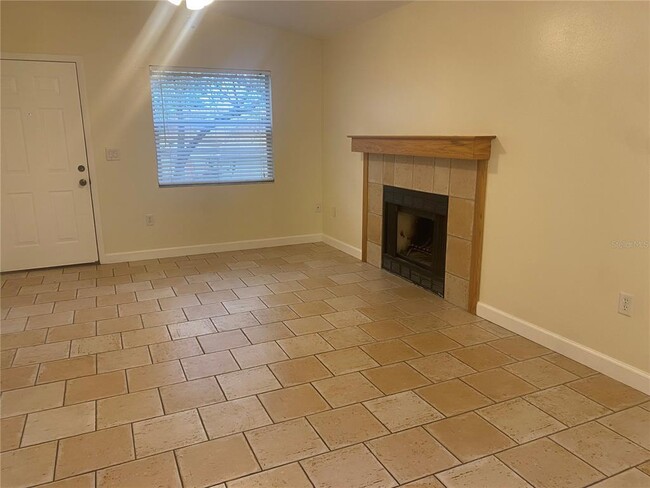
(295, 366)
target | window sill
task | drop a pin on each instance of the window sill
(223, 183)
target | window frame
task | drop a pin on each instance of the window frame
(185, 69)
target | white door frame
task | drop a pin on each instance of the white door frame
(85, 120)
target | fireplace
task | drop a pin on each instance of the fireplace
(452, 172)
(415, 236)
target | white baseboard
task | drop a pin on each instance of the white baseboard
(169, 252)
(355, 252)
(625, 373)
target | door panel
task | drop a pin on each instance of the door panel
(14, 155)
(23, 220)
(56, 146)
(47, 217)
(47, 83)
(63, 207)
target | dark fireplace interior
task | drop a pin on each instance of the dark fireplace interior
(415, 236)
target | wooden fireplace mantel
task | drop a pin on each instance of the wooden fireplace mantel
(476, 148)
(453, 147)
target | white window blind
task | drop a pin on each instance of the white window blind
(212, 126)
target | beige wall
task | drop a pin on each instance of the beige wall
(118, 41)
(564, 86)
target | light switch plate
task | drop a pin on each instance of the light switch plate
(112, 154)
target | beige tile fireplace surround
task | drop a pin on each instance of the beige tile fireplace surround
(451, 166)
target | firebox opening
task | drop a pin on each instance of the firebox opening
(415, 238)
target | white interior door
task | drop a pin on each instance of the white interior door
(47, 216)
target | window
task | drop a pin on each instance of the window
(211, 126)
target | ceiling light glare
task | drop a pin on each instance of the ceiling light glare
(195, 4)
(192, 4)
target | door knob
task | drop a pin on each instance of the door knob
(81, 168)
(83, 182)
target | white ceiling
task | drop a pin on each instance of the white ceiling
(314, 18)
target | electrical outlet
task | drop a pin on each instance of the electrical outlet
(625, 304)
(112, 154)
(319, 208)
(148, 219)
(334, 212)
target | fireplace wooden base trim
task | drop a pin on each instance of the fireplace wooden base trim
(364, 203)
(477, 235)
